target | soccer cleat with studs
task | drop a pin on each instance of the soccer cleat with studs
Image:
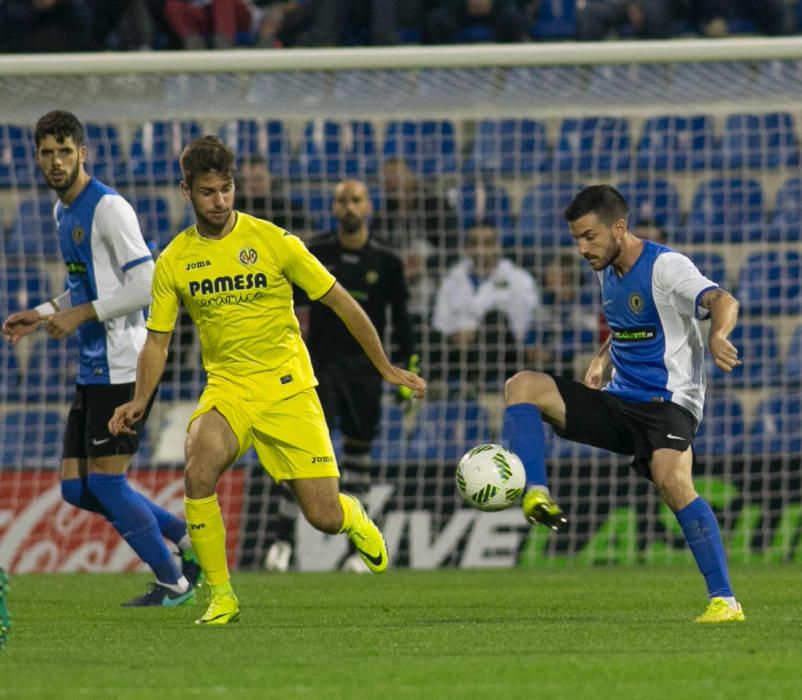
(540, 509)
(367, 538)
(158, 596)
(223, 609)
(719, 610)
(190, 568)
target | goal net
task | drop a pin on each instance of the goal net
(701, 138)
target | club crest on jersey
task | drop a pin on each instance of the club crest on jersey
(78, 235)
(636, 302)
(371, 276)
(247, 256)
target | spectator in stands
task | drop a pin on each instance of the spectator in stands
(484, 309)
(452, 21)
(565, 321)
(648, 230)
(645, 19)
(196, 20)
(127, 25)
(33, 26)
(257, 195)
(712, 17)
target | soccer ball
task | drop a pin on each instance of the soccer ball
(490, 477)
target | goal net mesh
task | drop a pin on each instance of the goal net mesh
(707, 154)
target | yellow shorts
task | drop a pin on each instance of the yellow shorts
(290, 435)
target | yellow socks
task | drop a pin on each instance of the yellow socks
(208, 534)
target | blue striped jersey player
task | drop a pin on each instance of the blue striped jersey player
(650, 409)
(109, 273)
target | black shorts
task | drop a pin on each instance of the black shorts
(350, 392)
(87, 432)
(603, 420)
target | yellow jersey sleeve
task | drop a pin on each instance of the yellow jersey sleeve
(304, 269)
(164, 306)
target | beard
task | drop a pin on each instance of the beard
(68, 182)
(350, 224)
(211, 225)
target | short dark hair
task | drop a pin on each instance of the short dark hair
(603, 200)
(206, 154)
(60, 124)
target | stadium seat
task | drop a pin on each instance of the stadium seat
(777, 428)
(253, 137)
(759, 354)
(317, 203)
(655, 202)
(17, 162)
(540, 221)
(51, 371)
(155, 150)
(478, 203)
(770, 283)
(392, 444)
(678, 143)
(711, 265)
(556, 19)
(336, 150)
(448, 429)
(725, 211)
(9, 372)
(153, 213)
(23, 287)
(786, 219)
(792, 367)
(593, 144)
(31, 438)
(722, 430)
(429, 147)
(759, 141)
(508, 147)
(105, 159)
(33, 232)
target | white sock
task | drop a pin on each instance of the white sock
(181, 586)
(184, 543)
(730, 601)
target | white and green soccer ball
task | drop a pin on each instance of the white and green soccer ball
(490, 477)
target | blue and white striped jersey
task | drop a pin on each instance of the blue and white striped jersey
(100, 239)
(656, 349)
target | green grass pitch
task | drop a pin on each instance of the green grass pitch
(577, 633)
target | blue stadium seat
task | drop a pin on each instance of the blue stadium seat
(556, 19)
(759, 141)
(726, 211)
(593, 144)
(268, 139)
(31, 438)
(786, 220)
(448, 429)
(655, 202)
(770, 283)
(33, 232)
(332, 149)
(155, 150)
(778, 426)
(711, 265)
(508, 147)
(479, 203)
(9, 372)
(722, 430)
(317, 203)
(429, 147)
(23, 287)
(51, 371)
(105, 159)
(392, 444)
(540, 221)
(792, 367)
(17, 162)
(678, 143)
(153, 213)
(759, 354)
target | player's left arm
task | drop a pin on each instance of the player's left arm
(723, 310)
(363, 330)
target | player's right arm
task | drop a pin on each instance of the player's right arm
(598, 366)
(149, 369)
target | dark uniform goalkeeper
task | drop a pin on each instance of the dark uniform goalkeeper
(349, 386)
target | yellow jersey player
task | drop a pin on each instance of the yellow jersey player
(234, 273)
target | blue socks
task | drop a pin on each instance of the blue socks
(523, 432)
(132, 517)
(701, 530)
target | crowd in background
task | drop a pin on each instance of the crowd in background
(89, 25)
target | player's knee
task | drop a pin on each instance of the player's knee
(524, 387)
(676, 489)
(198, 481)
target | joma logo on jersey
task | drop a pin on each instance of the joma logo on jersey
(227, 283)
(322, 460)
(197, 264)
